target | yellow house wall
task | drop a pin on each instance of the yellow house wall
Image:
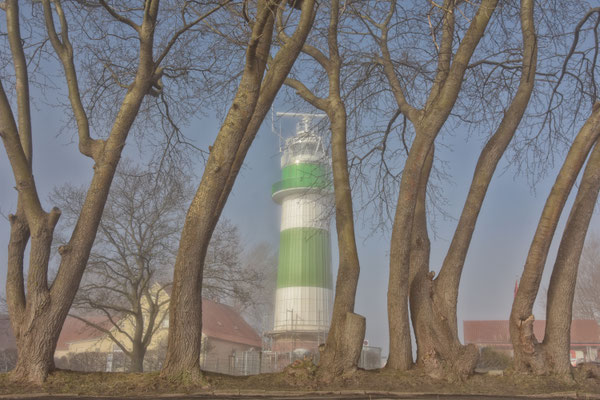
(105, 344)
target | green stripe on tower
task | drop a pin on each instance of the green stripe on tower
(304, 175)
(304, 258)
(304, 171)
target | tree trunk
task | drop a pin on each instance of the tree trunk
(136, 358)
(185, 309)
(252, 102)
(348, 337)
(559, 309)
(449, 278)
(398, 288)
(36, 343)
(439, 351)
(347, 332)
(37, 323)
(427, 122)
(342, 350)
(38, 312)
(527, 352)
(138, 350)
(433, 302)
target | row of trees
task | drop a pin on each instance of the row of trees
(448, 80)
(420, 66)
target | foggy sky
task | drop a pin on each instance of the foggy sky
(497, 254)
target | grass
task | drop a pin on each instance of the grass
(299, 378)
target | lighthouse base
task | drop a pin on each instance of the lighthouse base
(296, 345)
(285, 341)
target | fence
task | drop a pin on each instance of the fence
(257, 362)
(239, 363)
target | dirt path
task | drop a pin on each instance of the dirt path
(253, 395)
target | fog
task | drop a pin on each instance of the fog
(497, 253)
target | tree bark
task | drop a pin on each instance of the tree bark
(138, 352)
(347, 331)
(559, 308)
(433, 301)
(345, 338)
(439, 352)
(427, 123)
(36, 343)
(400, 357)
(38, 312)
(252, 101)
(527, 351)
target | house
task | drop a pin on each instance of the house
(224, 333)
(78, 337)
(229, 344)
(226, 336)
(585, 337)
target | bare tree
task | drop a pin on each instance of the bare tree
(39, 308)
(256, 91)
(529, 354)
(131, 257)
(452, 54)
(552, 355)
(557, 339)
(260, 311)
(227, 276)
(345, 338)
(433, 302)
(128, 274)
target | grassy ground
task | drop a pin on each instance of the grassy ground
(302, 377)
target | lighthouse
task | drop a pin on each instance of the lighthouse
(304, 296)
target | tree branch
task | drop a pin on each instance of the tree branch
(388, 68)
(87, 146)
(306, 94)
(119, 17)
(185, 28)
(107, 332)
(20, 65)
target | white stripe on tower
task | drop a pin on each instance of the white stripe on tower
(303, 308)
(304, 211)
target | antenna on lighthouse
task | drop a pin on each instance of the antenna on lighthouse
(305, 122)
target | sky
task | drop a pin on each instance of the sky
(496, 257)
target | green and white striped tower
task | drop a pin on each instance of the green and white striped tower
(304, 296)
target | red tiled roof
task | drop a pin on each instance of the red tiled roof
(75, 330)
(585, 331)
(486, 332)
(221, 321)
(496, 332)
